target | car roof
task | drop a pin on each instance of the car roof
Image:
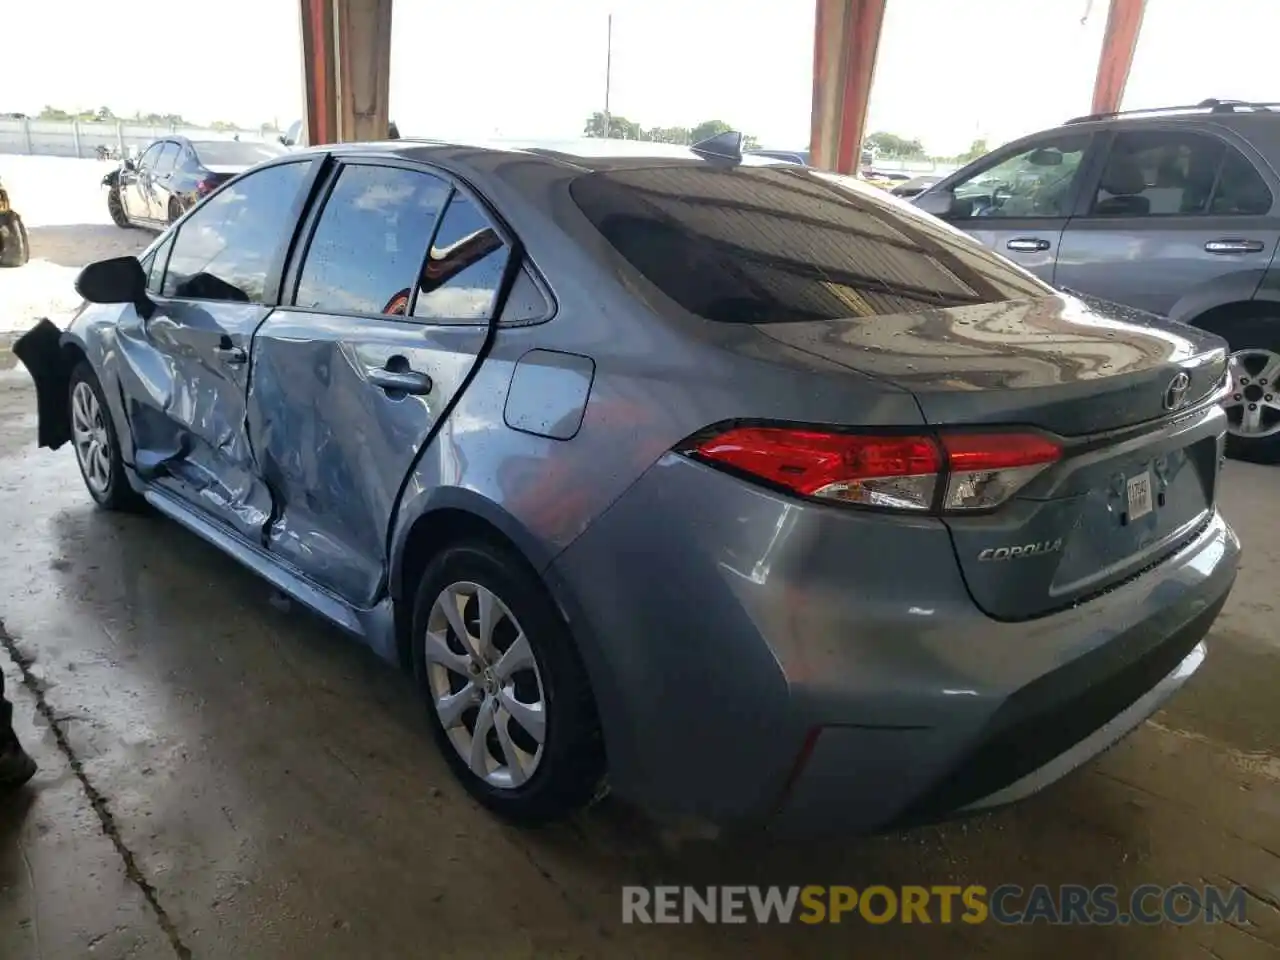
(589, 154)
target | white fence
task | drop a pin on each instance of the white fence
(82, 138)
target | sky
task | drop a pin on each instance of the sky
(948, 71)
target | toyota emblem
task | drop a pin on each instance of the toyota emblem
(1175, 395)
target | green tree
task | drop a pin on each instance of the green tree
(223, 125)
(667, 134)
(620, 128)
(887, 144)
(708, 129)
(976, 149)
(54, 113)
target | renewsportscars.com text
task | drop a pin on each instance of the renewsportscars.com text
(1068, 904)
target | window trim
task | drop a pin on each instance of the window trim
(1228, 138)
(517, 256)
(1084, 173)
(271, 286)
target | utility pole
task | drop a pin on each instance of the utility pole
(608, 75)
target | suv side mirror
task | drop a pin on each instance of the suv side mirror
(936, 202)
(118, 280)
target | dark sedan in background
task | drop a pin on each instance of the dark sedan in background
(173, 174)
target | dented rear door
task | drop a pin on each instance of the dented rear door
(393, 308)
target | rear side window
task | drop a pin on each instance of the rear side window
(225, 250)
(463, 271)
(772, 245)
(370, 241)
(1241, 189)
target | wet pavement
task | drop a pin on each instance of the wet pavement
(222, 776)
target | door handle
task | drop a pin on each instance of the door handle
(231, 356)
(401, 381)
(1234, 246)
(1028, 244)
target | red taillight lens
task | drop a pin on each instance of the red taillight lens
(884, 471)
(975, 471)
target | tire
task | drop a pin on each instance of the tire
(523, 782)
(116, 208)
(15, 250)
(102, 471)
(1253, 407)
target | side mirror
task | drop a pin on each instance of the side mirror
(118, 280)
(1045, 157)
(936, 202)
(129, 164)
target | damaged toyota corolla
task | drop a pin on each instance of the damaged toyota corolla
(755, 497)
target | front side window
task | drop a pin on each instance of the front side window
(777, 244)
(371, 240)
(154, 263)
(1152, 173)
(1036, 182)
(164, 163)
(148, 160)
(225, 250)
(463, 271)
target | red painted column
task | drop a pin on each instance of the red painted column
(846, 36)
(319, 72)
(346, 55)
(1124, 23)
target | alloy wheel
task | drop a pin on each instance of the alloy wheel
(485, 684)
(91, 438)
(1253, 406)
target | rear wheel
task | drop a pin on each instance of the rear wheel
(116, 208)
(97, 446)
(1253, 406)
(509, 700)
(14, 248)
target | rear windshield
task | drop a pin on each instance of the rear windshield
(234, 153)
(773, 245)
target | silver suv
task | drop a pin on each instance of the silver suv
(1174, 211)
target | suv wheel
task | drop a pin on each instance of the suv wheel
(1253, 406)
(509, 701)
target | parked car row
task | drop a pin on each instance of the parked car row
(748, 492)
(1173, 211)
(173, 174)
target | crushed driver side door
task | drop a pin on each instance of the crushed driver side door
(184, 370)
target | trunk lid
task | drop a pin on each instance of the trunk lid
(1130, 396)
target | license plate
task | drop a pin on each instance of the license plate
(1139, 492)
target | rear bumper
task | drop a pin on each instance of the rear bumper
(759, 661)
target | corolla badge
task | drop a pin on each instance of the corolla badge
(1019, 552)
(1175, 394)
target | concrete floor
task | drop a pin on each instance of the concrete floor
(221, 777)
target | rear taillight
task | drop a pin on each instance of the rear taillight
(951, 471)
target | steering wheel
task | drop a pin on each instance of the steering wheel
(999, 195)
